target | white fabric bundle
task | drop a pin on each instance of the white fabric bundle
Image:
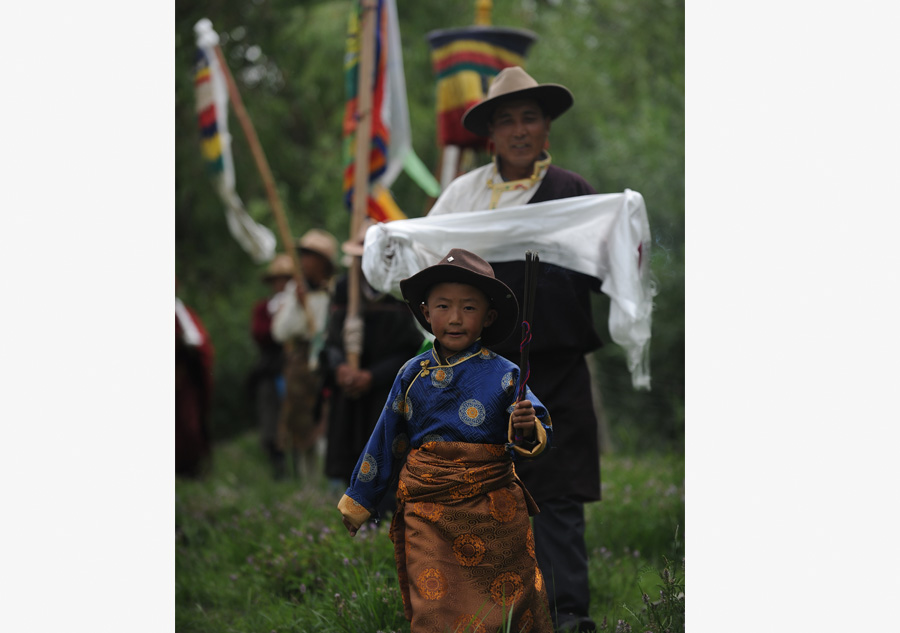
(606, 236)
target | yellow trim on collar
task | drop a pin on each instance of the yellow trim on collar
(499, 188)
(426, 368)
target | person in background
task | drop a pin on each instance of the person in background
(516, 116)
(389, 338)
(266, 381)
(193, 391)
(302, 332)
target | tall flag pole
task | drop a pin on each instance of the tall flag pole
(211, 93)
(464, 61)
(225, 83)
(369, 157)
(377, 136)
(390, 147)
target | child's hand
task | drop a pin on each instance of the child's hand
(350, 527)
(523, 419)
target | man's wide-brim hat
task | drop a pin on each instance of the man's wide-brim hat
(462, 266)
(322, 243)
(514, 83)
(281, 266)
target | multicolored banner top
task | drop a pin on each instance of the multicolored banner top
(208, 113)
(211, 93)
(381, 134)
(464, 61)
(391, 138)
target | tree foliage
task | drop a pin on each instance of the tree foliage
(624, 62)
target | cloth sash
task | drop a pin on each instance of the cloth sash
(463, 542)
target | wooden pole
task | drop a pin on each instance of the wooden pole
(361, 165)
(483, 10)
(263, 166)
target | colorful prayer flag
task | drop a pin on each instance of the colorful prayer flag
(211, 92)
(382, 207)
(391, 144)
(464, 61)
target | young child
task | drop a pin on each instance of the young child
(462, 539)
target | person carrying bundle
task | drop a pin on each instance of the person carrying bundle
(516, 116)
(299, 324)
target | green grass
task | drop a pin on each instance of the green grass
(256, 555)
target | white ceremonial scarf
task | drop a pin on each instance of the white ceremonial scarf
(606, 236)
(191, 334)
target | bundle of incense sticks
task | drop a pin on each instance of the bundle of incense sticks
(531, 269)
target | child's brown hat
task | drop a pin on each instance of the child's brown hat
(462, 266)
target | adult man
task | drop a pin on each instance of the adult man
(358, 395)
(516, 116)
(302, 331)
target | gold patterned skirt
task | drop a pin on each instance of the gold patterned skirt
(463, 542)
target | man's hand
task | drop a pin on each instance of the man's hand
(523, 419)
(354, 382)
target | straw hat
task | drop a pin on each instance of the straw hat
(322, 243)
(281, 266)
(515, 83)
(464, 267)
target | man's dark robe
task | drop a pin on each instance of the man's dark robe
(563, 332)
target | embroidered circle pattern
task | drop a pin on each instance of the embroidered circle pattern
(529, 544)
(402, 491)
(400, 445)
(432, 437)
(465, 491)
(507, 381)
(503, 505)
(432, 584)
(469, 550)
(487, 354)
(456, 357)
(428, 510)
(402, 406)
(368, 469)
(471, 412)
(526, 622)
(470, 623)
(507, 588)
(442, 377)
